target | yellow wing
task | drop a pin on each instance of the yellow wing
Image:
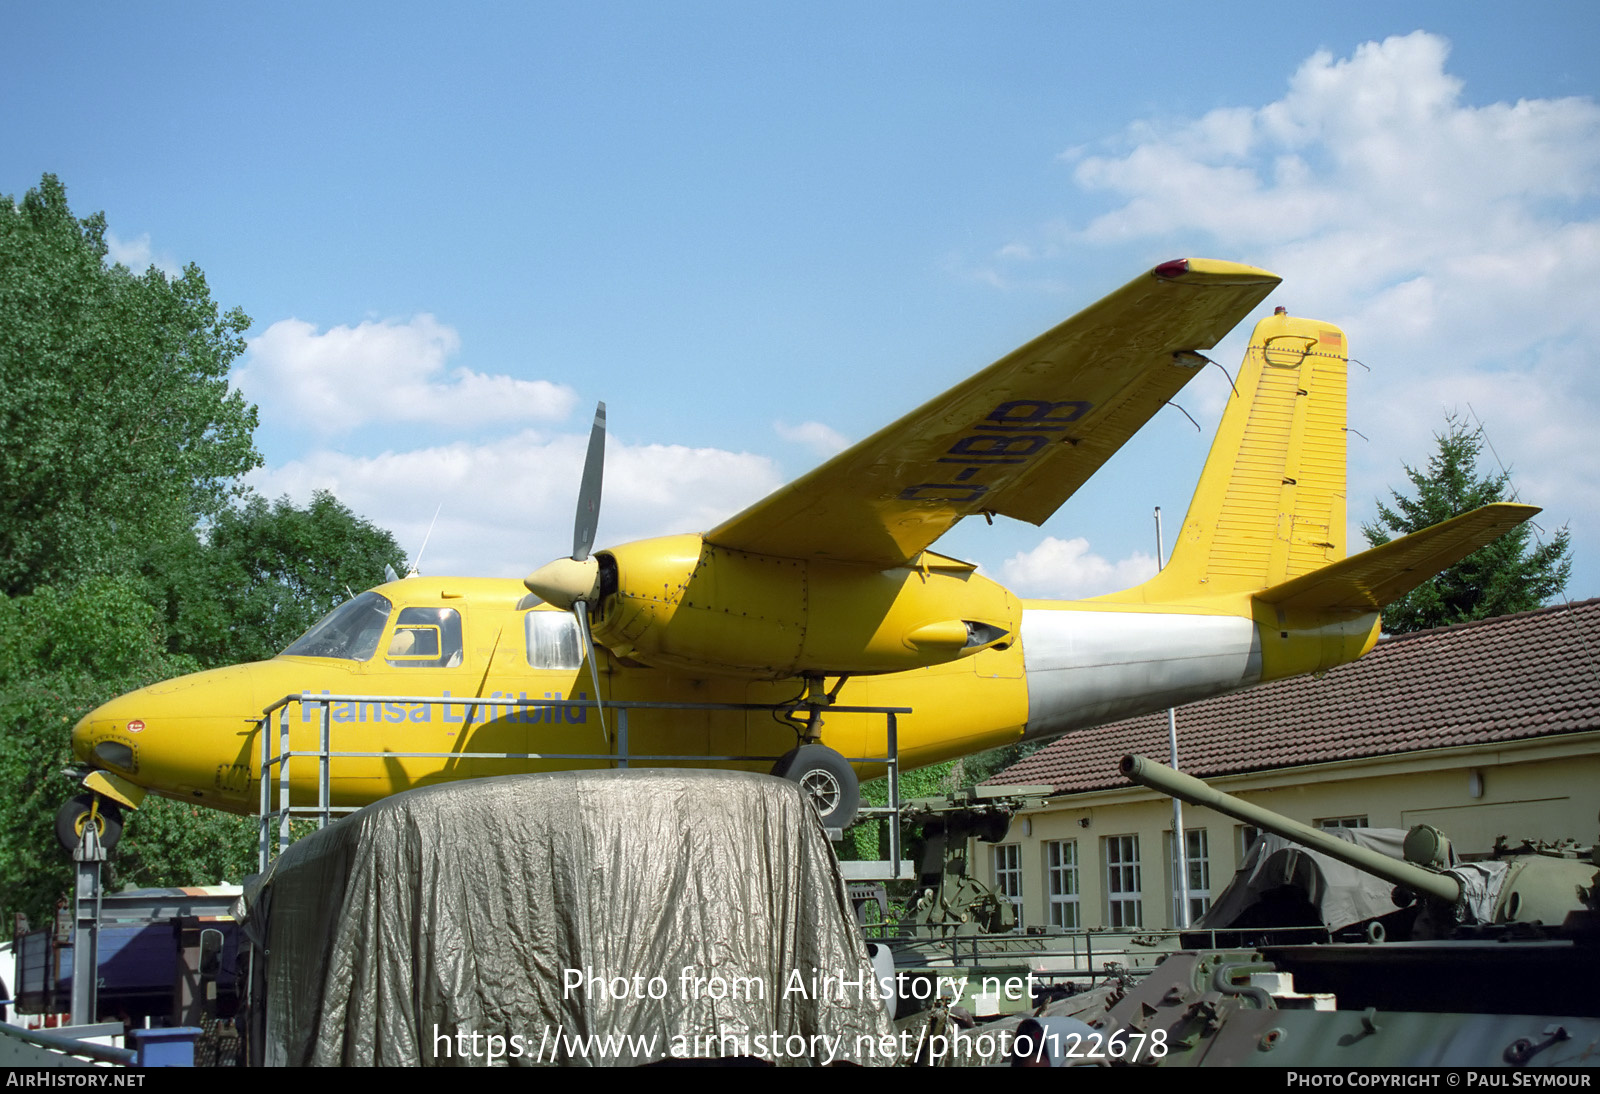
(1016, 439)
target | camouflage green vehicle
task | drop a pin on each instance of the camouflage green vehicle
(1500, 968)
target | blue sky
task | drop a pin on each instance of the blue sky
(758, 231)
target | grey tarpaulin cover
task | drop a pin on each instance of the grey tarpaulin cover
(1342, 894)
(460, 909)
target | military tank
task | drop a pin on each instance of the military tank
(1546, 890)
(1500, 968)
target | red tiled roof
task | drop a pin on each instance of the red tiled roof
(1511, 678)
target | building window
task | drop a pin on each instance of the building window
(1248, 834)
(1008, 876)
(1061, 871)
(1197, 874)
(1341, 822)
(1124, 887)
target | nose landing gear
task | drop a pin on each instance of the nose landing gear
(86, 809)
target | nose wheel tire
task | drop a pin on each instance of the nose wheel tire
(828, 781)
(77, 814)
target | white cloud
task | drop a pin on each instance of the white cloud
(1066, 569)
(1458, 245)
(137, 254)
(335, 380)
(821, 439)
(508, 504)
(1373, 156)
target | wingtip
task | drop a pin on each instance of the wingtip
(1213, 271)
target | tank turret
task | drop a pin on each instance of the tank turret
(1552, 886)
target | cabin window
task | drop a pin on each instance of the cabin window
(1061, 870)
(351, 631)
(428, 638)
(553, 641)
(1124, 883)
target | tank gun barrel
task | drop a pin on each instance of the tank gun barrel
(1190, 789)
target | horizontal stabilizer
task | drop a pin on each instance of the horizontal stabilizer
(1372, 579)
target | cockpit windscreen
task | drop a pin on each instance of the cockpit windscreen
(351, 631)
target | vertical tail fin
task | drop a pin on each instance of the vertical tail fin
(1270, 505)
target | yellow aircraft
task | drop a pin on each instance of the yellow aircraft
(826, 593)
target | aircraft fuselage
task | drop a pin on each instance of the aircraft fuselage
(1072, 664)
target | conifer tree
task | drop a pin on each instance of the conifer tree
(1512, 574)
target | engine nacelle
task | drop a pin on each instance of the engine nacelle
(680, 602)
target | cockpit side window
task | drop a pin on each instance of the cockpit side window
(351, 631)
(553, 641)
(426, 638)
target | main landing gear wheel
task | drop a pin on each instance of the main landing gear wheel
(828, 781)
(73, 817)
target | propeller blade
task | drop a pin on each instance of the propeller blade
(594, 465)
(580, 608)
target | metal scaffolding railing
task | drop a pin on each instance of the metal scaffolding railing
(322, 704)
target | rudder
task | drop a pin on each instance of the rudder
(1270, 504)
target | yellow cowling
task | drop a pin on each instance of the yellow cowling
(683, 603)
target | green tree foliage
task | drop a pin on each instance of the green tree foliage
(120, 429)
(264, 573)
(1511, 574)
(129, 550)
(61, 654)
(868, 840)
(989, 767)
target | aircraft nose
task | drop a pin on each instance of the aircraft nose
(82, 734)
(158, 736)
(109, 735)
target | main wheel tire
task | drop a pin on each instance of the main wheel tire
(73, 817)
(828, 781)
